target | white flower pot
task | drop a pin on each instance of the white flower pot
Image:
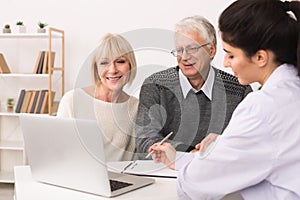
(22, 29)
(41, 30)
(6, 30)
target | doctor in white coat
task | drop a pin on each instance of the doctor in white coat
(258, 153)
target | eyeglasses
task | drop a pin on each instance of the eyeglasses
(188, 50)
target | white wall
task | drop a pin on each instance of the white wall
(85, 21)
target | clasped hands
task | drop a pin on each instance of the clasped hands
(166, 153)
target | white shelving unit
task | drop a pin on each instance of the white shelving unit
(20, 52)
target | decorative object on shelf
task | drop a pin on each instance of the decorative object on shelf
(10, 104)
(6, 28)
(22, 27)
(41, 28)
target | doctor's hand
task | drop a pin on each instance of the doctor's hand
(164, 153)
(202, 146)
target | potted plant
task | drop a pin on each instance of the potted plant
(22, 27)
(6, 28)
(41, 28)
(10, 104)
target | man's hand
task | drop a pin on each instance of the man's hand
(164, 153)
(202, 146)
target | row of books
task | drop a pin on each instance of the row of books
(41, 65)
(33, 101)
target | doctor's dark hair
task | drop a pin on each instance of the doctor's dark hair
(253, 25)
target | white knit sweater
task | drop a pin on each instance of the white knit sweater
(116, 120)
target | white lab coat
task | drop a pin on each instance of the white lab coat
(259, 151)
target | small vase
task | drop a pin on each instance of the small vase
(41, 30)
(10, 104)
(10, 108)
(6, 30)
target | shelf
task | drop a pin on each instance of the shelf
(27, 35)
(12, 150)
(24, 75)
(7, 177)
(14, 114)
(12, 145)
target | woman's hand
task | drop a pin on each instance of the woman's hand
(164, 153)
(202, 146)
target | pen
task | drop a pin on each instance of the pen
(127, 166)
(163, 140)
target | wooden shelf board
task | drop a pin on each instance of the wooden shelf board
(7, 177)
(12, 145)
(24, 75)
(12, 114)
(27, 35)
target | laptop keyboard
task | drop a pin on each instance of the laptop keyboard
(116, 185)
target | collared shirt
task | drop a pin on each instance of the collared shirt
(206, 88)
(161, 101)
(258, 152)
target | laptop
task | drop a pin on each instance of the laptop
(69, 153)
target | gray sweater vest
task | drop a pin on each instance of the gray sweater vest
(163, 109)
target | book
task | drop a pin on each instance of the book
(47, 60)
(37, 101)
(45, 102)
(41, 63)
(40, 101)
(36, 95)
(45, 63)
(31, 101)
(38, 60)
(3, 65)
(26, 100)
(20, 101)
(55, 105)
(142, 168)
(45, 108)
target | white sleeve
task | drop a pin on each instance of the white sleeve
(65, 108)
(241, 157)
(183, 158)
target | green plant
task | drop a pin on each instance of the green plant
(10, 101)
(7, 26)
(19, 23)
(42, 25)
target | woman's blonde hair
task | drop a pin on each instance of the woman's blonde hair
(113, 46)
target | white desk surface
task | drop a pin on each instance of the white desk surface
(28, 189)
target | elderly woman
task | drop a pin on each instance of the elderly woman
(113, 66)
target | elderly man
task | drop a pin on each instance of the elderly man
(192, 99)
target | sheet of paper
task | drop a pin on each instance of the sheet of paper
(143, 168)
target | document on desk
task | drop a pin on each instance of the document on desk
(142, 168)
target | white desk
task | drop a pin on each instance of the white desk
(28, 189)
